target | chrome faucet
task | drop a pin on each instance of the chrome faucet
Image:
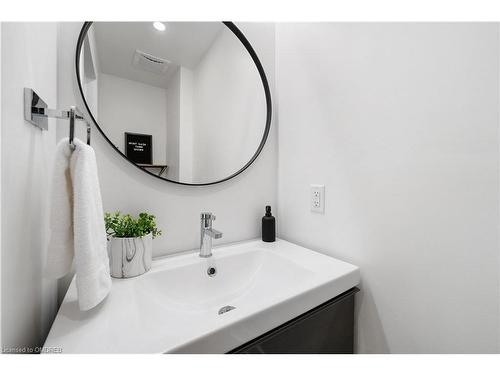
(207, 233)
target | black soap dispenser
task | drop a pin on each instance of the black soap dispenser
(268, 226)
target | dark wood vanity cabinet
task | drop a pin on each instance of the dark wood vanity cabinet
(326, 329)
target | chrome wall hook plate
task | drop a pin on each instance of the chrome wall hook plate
(35, 109)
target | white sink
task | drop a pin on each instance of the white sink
(174, 308)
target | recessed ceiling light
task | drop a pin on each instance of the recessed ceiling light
(159, 26)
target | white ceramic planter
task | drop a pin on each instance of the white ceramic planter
(130, 256)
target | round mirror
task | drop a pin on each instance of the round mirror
(187, 102)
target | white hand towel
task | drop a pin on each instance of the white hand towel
(93, 280)
(89, 245)
(61, 244)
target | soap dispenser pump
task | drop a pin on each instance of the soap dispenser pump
(268, 226)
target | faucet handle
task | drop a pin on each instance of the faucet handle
(207, 216)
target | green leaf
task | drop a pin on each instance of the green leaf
(118, 225)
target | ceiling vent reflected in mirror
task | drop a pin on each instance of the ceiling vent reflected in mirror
(150, 63)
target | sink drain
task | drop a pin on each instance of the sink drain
(225, 309)
(211, 271)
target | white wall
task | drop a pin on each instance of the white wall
(131, 106)
(28, 300)
(90, 71)
(180, 110)
(0, 185)
(229, 107)
(186, 122)
(238, 203)
(173, 103)
(400, 122)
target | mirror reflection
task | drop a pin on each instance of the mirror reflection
(182, 100)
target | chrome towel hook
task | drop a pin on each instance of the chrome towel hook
(71, 127)
(88, 132)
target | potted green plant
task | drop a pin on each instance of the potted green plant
(130, 243)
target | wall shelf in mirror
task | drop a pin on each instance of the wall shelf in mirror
(161, 168)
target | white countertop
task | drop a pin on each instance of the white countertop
(174, 307)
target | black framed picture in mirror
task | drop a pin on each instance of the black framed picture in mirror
(139, 148)
(196, 89)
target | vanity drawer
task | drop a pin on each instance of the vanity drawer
(326, 329)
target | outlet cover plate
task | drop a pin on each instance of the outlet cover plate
(318, 198)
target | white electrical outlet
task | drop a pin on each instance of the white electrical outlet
(318, 198)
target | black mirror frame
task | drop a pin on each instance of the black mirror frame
(231, 26)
